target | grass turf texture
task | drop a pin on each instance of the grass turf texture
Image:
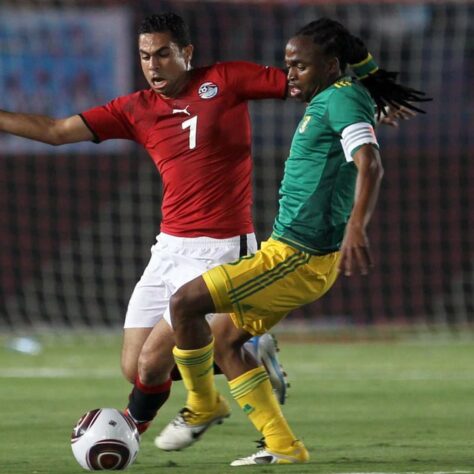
(392, 407)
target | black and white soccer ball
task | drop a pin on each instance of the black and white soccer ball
(105, 439)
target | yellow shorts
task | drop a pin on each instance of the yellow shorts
(261, 289)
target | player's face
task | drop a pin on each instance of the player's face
(309, 70)
(164, 63)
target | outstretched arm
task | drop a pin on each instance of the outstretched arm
(45, 129)
(355, 251)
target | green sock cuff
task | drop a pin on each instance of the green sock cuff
(247, 382)
(365, 67)
(194, 356)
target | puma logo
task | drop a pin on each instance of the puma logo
(182, 111)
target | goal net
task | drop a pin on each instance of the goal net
(77, 222)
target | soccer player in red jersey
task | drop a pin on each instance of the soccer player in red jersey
(194, 123)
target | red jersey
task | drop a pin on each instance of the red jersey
(200, 142)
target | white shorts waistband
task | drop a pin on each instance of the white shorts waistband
(200, 241)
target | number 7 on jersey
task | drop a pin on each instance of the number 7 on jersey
(192, 125)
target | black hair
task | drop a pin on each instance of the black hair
(167, 22)
(335, 40)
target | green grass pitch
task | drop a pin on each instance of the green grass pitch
(394, 407)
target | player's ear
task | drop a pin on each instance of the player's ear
(188, 55)
(334, 66)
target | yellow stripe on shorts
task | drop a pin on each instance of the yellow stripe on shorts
(267, 278)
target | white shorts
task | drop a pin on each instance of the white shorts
(175, 261)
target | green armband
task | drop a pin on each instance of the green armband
(365, 67)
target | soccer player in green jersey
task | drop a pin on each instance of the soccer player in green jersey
(327, 196)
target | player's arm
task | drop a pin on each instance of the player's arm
(355, 252)
(45, 129)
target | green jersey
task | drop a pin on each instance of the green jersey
(317, 190)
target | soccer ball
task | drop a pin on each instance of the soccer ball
(105, 439)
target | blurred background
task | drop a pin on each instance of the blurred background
(77, 222)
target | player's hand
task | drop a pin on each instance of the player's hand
(355, 252)
(395, 114)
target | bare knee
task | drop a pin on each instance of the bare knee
(156, 358)
(180, 304)
(190, 303)
(129, 369)
(152, 371)
(129, 364)
(133, 341)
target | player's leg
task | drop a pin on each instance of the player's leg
(189, 425)
(132, 343)
(173, 260)
(195, 256)
(148, 341)
(265, 349)
(262, 291)
(194, 357)
(153, 383)
(252, 390)
(148, 352)
(249, 383)
(151, 373)
(156, 357)
(268, 285)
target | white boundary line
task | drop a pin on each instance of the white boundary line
(55, 373)
(410, 472)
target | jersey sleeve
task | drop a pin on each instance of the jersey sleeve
(253, 81)
(348, 106)
(111, 120)
(350, 115)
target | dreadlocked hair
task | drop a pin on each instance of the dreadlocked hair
(335, 40)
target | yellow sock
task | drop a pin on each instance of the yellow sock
(253, 392)
(196, 368)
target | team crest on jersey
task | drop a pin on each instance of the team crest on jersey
(304, 123)
(208, 90)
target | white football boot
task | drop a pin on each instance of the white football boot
(188, 427)
(296, 454)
